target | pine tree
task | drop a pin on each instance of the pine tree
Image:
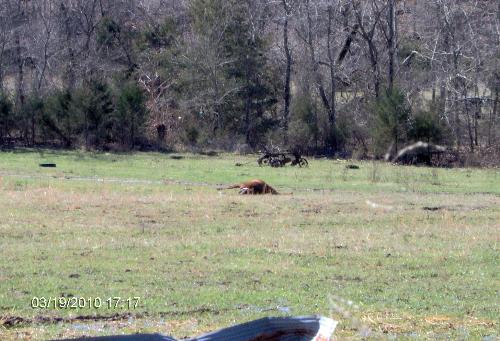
(392, 114)
(60, 117)
(130, 114)
(6, 117)
(95, 103)
(250, 70)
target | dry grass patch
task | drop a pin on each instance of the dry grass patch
(201, 260)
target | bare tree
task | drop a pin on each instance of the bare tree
(4, 42)
(43, 21)
(368, 15)
(288, 69)
(389, 28)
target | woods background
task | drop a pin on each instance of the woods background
(345, 78)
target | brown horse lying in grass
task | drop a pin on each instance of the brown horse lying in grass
(255, 186)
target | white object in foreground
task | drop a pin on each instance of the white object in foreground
(302, 328)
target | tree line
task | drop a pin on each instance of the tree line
(352, 78)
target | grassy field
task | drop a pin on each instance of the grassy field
(389, 251)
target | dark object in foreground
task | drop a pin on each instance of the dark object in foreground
(255, 186)
(302, 328)
(433, 208)
(51, 165)
(281, 159)
(352, 166)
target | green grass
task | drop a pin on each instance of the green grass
(147, 225)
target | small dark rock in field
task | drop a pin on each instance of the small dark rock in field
(209, 153)
(74, 276)
(51, 165)
(128, 270)
(237, 164)
(177, 157)
(433, 208)
(352, 167)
